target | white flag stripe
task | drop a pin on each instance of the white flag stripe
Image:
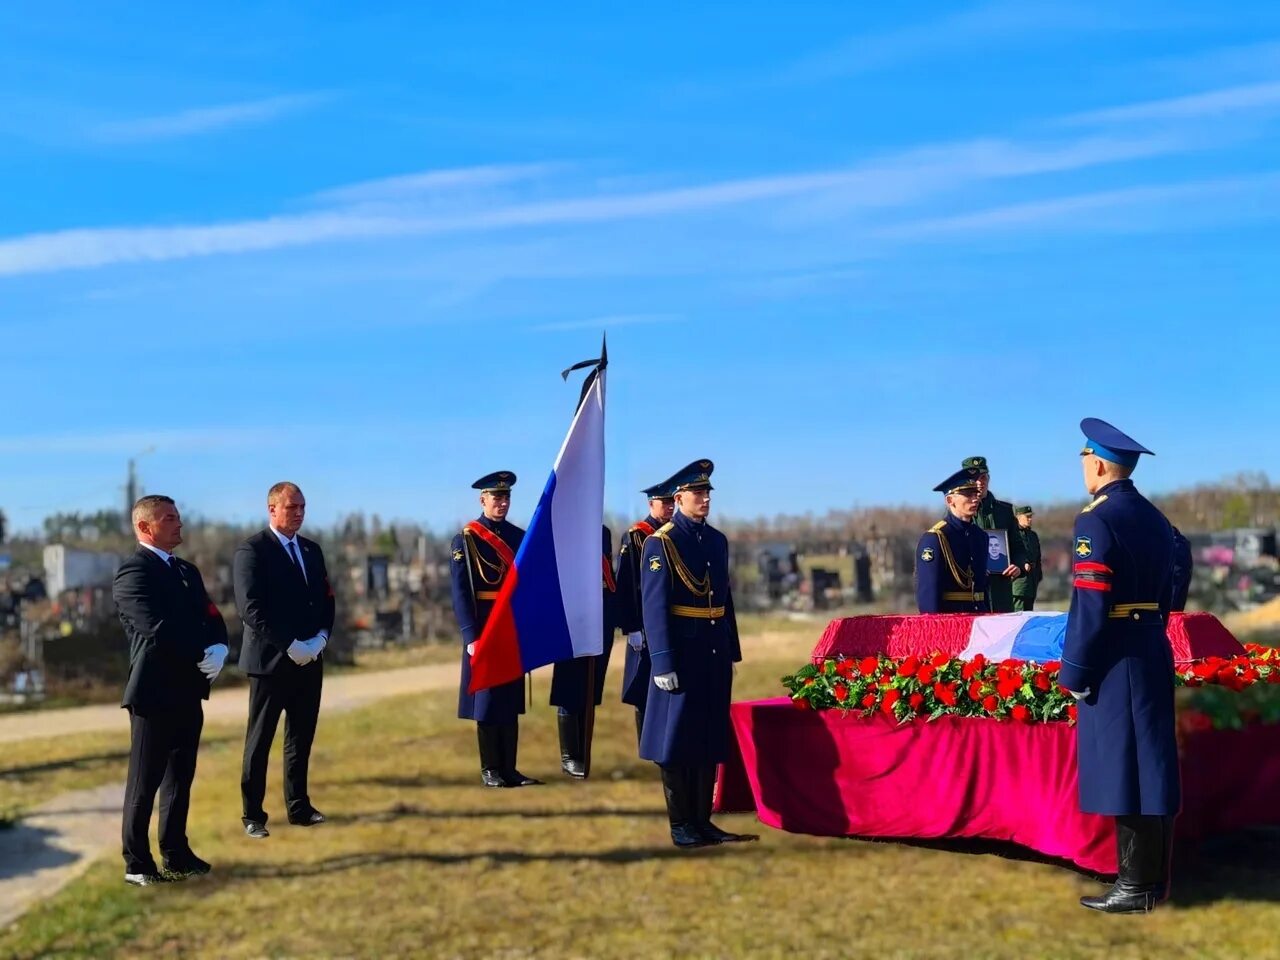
(577, 516)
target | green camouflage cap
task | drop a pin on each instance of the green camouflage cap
(978, 462)
(1024, 511)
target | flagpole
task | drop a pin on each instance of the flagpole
(589, 715)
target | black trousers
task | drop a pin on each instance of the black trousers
(162, 756)
(296, 693)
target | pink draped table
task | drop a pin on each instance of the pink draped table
(967, 777)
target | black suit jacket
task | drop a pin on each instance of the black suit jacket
(169, 620)
(276, 604)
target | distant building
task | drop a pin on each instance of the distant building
(66, 568)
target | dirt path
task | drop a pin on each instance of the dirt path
(57, 842)
(342, 691)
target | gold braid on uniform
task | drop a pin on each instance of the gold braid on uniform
(699, 588)
(498, 569)
(963, 578)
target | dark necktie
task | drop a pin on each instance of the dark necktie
(173, 565)
(293, 555)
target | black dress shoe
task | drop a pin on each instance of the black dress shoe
(179, 868)
(148, 878)
(258, 831)
(314, 818)
(687, 836)
(1125, 897)
(573, 768)
(714, 833)
(514, 778)
(492, 778)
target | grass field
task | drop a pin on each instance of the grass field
(419, 860)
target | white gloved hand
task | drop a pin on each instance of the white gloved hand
(471, 649)
(1079, 694)
(666, 681)
(636, 640)
(316, 645)
(300, 653)
(214, 659)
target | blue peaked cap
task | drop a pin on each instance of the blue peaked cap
(961, 479)
(1105, 441)
(498, 481)
(661, 491)
(696, 476)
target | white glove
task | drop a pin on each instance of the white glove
(300, 653)
(471, 649)
(1079, 695)
(316, 645)
(666, 681)
(636, 640)
(214, 658)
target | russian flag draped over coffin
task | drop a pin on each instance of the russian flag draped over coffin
(1026, 636)
(551, 607)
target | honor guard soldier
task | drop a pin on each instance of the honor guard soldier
(951, 558)
(482, 554)
(635, 669)
(569, 677)
(996, 514)
(692, 635)
(1118, 664)
(1027, 585)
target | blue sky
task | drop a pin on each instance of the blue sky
(835, 247)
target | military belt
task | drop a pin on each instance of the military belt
(700, 613)
(1131, 611)
(962, 596)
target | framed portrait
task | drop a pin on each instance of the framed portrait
(997, 550)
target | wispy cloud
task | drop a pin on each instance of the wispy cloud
(901, 179)
(1214, 103)
(601, 323)
(433, 181)
(1252, 62)
(982, 24)
(1072, 210)
(203, 120)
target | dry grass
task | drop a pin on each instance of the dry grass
(419, 860)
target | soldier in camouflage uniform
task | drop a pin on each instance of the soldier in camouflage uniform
(996, 514)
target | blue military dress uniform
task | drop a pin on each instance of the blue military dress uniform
(636, 672)
(477, 572)
(691, 631)
(951, 558)
(569, 677)
(1117, 650)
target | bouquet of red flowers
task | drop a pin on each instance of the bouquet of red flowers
(1020, 690)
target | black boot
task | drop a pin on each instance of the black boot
(678, 785)
(490, 737)
(571, 741)
(706, 780)
(511, 777)
(1141, 851)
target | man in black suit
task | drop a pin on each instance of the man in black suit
(286, 605)
(177, 646)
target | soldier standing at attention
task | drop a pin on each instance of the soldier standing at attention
(1117, 663)
(635, 669)
(692, 635)
(951, 558)
(1026, 586)
(482, 555)
(996, 514)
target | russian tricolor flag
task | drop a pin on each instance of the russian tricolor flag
(551, 605)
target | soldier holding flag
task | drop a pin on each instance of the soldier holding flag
(482, 556)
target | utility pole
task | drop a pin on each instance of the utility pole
(131, 489)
